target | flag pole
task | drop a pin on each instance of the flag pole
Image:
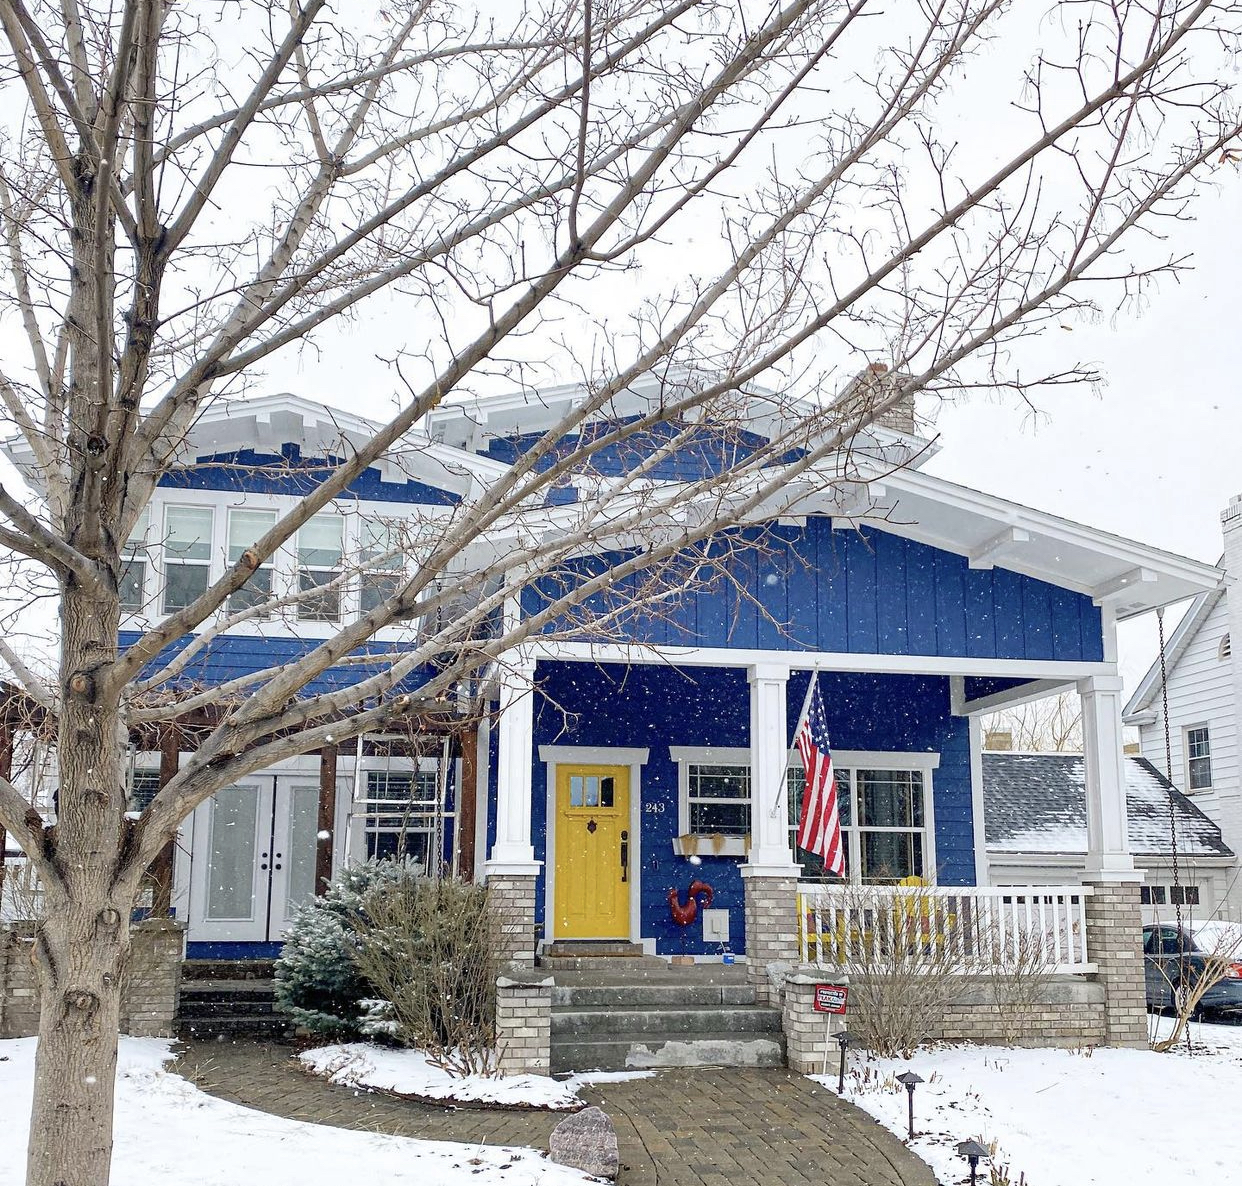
(784, 783)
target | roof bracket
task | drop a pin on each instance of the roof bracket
(991, 551)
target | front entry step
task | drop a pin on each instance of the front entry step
(226, 999)
(575, 955)
(604, 1019)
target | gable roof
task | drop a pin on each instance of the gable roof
(1175, 647)
(1037, 803)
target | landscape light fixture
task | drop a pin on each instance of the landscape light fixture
(909, 1080)
(972, 1151)
(844, 1038)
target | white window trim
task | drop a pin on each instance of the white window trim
(1186, 732)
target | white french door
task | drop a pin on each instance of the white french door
(253, 859)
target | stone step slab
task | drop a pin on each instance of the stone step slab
(652, 1051)
(702, 1019)
(654, 994)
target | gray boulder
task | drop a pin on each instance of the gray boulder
(586, 1141)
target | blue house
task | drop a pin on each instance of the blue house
(621, 765)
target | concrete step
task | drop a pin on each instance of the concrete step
(655, 994)
(594, 948)
(729, 1019)
(199, 1009)
(228, 969)
(605, 964)
(668, 1050)
(272, 1027)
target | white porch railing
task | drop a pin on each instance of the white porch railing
(964, 929)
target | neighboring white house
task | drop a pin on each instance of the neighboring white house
(1036, 826)
(1204, 677)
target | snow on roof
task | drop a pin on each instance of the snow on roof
(1037, 803)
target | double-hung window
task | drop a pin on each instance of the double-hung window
(380, 554)
(882, 802)
(187, 555)
(1198, 743)
(133, 583)
(321, 547)
(246, 526)
(714, 799)
(403, 817)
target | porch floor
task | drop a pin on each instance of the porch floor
(700, 1127)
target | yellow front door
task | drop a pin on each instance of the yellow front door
(592, 852)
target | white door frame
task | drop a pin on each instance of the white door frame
(590, 755)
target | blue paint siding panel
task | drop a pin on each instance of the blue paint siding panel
(233, 655)
(868, 592)
(288, 472)
(657, 707)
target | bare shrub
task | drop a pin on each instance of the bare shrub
(1015, 968)
(896, 951)
(425, 947)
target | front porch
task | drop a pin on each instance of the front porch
(701, 791)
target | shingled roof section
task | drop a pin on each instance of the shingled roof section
(1037, 803)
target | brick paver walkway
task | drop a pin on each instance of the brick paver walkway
(698, 1127)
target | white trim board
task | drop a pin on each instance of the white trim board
(827, 661)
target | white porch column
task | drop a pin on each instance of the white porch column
(770, 853)
(513, 770)
(1113, 915)
(511, 867)
(1108, 838)
(769, 875)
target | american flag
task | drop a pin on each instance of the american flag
(819, 826)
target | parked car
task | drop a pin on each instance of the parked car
(1174, 957)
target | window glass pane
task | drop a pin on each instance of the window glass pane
(730, 819)
(138, 537)
(143, 785)
(401, 816)
(607, 791)
(890, 856)
(377, 588)
(182, 584)
(230, 871)
(189, 533)
(575, 790)
(255, 591)
(887, 798)
(320, 541)
(592, 790)
(379, 544)
(318, 607)
(133, 583)
(245, 527)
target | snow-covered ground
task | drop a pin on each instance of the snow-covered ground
(168, 1133)
(1095, 1118)
(408, 1073)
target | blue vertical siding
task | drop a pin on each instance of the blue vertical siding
(862, 592)
(656, 707)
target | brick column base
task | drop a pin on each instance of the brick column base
(806, 1030)
(524, 1023)
(153, 978)
(771, 928)
(511, 901)
(1115, 946)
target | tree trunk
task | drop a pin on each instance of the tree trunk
(82, 940)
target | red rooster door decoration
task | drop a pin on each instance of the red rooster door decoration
(683, 916)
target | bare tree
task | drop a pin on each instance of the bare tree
(186, 193)
(1052, 725)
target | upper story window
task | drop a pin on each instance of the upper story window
(133, 583)
(187, 555)
(1198, 758)
(246, 526)
(321, 547)
(381, 559)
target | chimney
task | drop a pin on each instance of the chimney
(998, 739)
(868, 388)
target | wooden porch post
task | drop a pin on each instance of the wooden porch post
(468, 738)
(327, 817)
(161, 871)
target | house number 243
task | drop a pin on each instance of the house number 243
(653, 808)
